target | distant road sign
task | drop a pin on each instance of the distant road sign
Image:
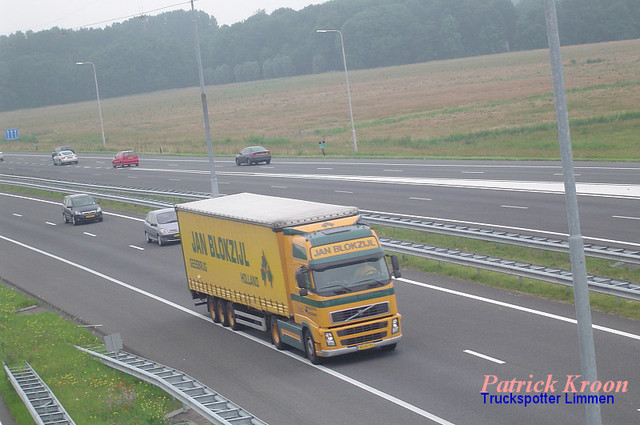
(11, 134)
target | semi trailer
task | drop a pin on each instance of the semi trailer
(312, 275)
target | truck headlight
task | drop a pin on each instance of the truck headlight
(395, 326)
(328, 338)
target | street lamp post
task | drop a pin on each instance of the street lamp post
(346, 74)
(95, 77)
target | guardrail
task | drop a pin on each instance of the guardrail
(499, 236)
(619, 288)
(116, 193)
(42, 404)
(190, 392)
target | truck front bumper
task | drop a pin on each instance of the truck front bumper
(362, 347)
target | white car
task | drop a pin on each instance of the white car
(1, 156)
(65, 157)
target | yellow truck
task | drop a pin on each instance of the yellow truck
(311, 275)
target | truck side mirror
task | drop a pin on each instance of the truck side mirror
(395, 265)
(302, 277)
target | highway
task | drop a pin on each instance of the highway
(455, 333)
(519, 195)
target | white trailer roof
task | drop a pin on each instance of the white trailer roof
(269, 211)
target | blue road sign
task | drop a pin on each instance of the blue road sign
(11, 134)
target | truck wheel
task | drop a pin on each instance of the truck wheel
(310, 348)
(231, 317)
(274, 331)
(212, 306)
(221, 308)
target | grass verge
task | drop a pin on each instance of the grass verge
(91, 392)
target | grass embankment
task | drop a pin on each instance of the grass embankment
(90, 392)
(486, 107)
(595, 266)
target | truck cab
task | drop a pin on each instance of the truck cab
(344, 299)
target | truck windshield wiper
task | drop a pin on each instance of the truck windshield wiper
(378, 283)
(337, 285)
(372, 282)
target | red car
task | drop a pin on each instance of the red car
(123, 158)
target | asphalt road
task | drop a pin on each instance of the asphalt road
(519, 195)
(455, 333)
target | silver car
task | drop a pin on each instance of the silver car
(162, 226)
(65, 157)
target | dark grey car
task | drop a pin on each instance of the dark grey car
(162, 226)
(80, 208)
(253, 155)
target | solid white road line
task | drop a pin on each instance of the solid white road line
(519, 308)
(331, 372)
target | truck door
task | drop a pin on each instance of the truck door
(303, 304)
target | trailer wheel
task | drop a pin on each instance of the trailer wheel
(274, 331)
(221, 312)
(231, 317)
(310, 348)
(212, 306)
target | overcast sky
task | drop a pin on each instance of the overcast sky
(38, 15)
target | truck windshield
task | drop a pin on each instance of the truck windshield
(350, 277)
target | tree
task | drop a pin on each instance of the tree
(156, 52)
(224, 74)
(530, 31)
(319, 64)
(450, 39)
(248, 71)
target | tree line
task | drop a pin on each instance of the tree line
(158, 52)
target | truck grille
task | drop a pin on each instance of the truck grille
(362, 329)
(363, 338)
(359, 312)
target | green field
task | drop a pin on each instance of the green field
(487, 107)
